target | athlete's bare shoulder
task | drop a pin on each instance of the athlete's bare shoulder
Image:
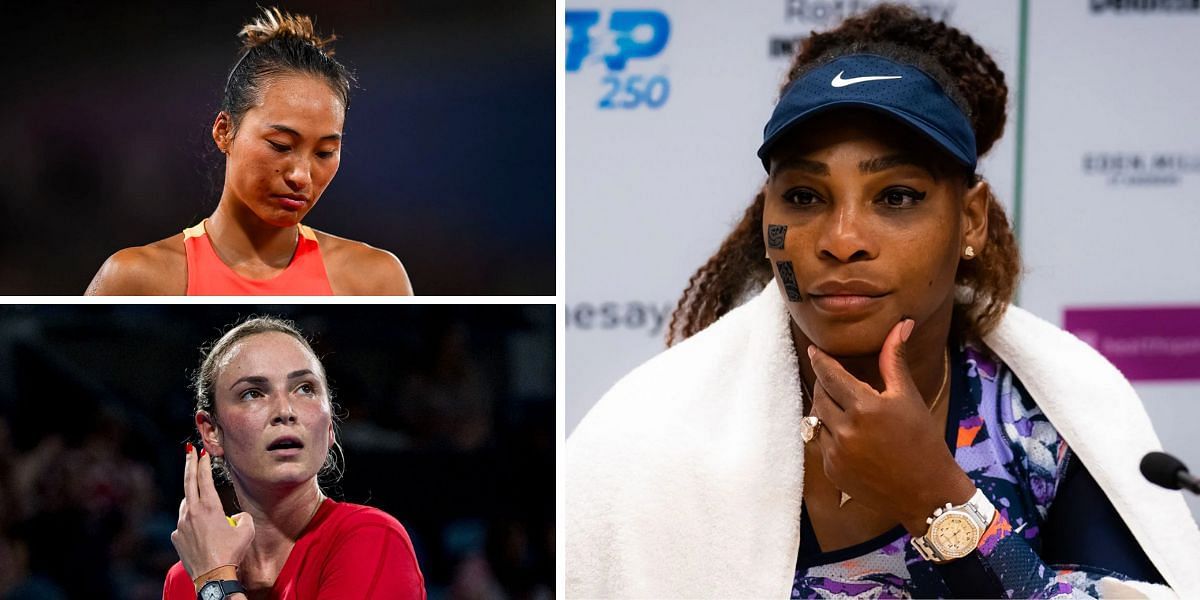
(358, 269)
(156, 269)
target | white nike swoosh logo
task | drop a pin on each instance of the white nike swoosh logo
(839, 82)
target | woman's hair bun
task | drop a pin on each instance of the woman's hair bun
(275, 23)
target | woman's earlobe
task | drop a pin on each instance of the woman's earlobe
(220, 132)
(210, 434)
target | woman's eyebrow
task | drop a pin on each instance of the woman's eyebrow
(253, 379)
(260, 380)
(795, 163)
(290, 131)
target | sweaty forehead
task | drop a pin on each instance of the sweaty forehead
(304, 103)
(271, 354)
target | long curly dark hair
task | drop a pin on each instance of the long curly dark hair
(972, 79)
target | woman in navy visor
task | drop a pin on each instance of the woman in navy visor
(851, 407)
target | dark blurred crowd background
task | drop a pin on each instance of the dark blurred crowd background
(448, 425)
(448, 161)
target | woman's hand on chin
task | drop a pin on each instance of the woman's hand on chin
(885, 449)
(205, 538)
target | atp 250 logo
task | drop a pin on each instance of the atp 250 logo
(621, 47)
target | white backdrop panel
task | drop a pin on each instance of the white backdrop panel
(1112, 177)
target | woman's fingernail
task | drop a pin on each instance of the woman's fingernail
(188, 448)
(202, 453)
(907, 330)
(811, 351)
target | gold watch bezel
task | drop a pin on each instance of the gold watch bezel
(938, 534)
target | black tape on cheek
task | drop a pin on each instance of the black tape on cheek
(775, 236)
(788, 276)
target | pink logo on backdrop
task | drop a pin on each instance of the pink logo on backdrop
(1145, 343)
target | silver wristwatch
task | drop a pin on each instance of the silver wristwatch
(219, 589)
(954, 531)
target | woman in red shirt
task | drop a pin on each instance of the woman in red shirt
(264, 415)
(280, 128)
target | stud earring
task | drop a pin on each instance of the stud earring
(969, 252)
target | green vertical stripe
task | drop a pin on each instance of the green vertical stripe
(1019, 159)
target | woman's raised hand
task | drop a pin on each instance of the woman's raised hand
(204, 538)
(885, 449)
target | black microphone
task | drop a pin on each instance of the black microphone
(1167, 471)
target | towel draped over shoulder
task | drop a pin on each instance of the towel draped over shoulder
(686, 478)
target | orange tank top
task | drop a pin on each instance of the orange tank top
(208, 275)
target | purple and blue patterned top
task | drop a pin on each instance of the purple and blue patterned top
(1056, 534)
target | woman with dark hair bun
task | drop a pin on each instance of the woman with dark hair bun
(280, 128)
(851, 407)
(264, 413)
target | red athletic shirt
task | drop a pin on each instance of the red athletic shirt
(347, 552)
(209, 276)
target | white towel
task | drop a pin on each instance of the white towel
(685, 479)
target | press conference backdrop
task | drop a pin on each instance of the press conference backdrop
(1099, 167)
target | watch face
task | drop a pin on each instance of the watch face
(211, 591)
(954, 535)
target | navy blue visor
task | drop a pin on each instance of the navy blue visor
(900, 91)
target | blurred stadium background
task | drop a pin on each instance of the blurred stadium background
(449, 426)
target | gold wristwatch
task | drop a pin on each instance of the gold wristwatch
(954, 531)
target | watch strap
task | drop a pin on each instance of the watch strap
(227, 587)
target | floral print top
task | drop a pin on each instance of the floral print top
(1012, 452)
